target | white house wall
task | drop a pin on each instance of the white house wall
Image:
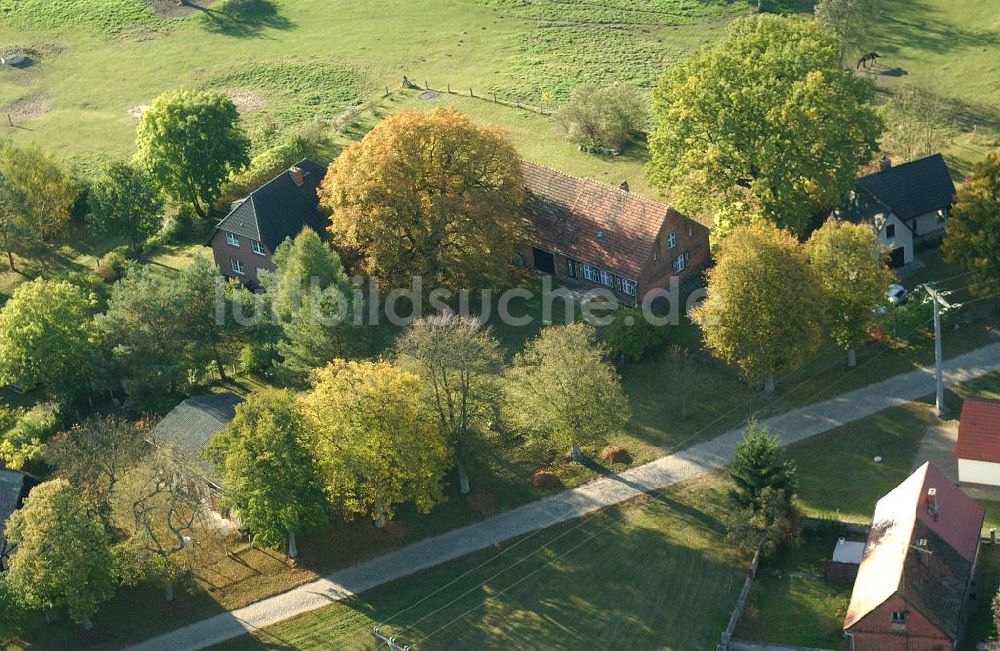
(971, 471)
(927, 224)
(903, 238)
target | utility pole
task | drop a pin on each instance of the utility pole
(939, 302)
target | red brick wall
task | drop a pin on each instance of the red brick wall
(224, 253)
(692, 237)
(875, 631)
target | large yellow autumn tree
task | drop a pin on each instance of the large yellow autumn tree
(375, 448)
(428, 194)
(764, 311)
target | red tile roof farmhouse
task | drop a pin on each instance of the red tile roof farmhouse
(979, 431)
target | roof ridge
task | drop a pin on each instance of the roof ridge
(621, 192)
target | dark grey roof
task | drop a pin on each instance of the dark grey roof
(191, 425)
(279, 208)
(12, 487)
(911, 189)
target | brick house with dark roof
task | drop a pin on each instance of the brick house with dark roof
(978, 445)
(905, 204)
(590, 235)
(246, 238)
(917, 568)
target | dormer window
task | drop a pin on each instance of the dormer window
(257, 247)
(232, 239)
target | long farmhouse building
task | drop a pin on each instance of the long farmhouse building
(589, 234)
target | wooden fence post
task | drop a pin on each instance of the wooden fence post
(471, 94)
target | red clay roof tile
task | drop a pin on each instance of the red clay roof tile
(979, 431)
(591, 222)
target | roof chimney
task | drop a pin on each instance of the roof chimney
(297, 175)
(884, 163)
(624, 186)
(932, 503)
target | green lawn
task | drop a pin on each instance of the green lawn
(790, 602)
(653, 573)
(97, 61)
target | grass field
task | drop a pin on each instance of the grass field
(622, 579)
(97, 62)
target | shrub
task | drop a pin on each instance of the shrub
(604, 117)
(113, 265)
(615, 454)
(264, 167)
(631, 336)
(257, 359)
(25, 434)
(546, 479)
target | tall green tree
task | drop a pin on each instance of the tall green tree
(764, 123)
(764, 311)
(63, 556)
(429, 194)
(851, 266)
(972, 236)
(190, 142)
(266, 465)
(760, 464)
(160, 330)
(36, 197)
(47, 337)
(850, 21)
(12, 613)
(374, 446)
(125, 202)
(563, 388)
(458, 359)
(312, 300)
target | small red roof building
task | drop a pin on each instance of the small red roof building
(979, 431)
(917, 566)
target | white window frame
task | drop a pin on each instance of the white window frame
(232, 240)
(628, 287)
(257, 247)
(571, 267)
(589, 272)
(898, 617)
(237, 266)
(680, 263)
(672, 239)
(257, 271)
(607, 279)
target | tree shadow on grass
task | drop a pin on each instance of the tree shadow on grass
(244, 18)
(911, 21)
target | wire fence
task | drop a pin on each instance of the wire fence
(469, 91)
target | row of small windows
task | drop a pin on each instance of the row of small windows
(600, 276)
(238, 268)
(255, 246)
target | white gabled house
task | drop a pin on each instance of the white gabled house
(906, 204)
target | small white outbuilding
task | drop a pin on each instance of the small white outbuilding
(978, 446)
